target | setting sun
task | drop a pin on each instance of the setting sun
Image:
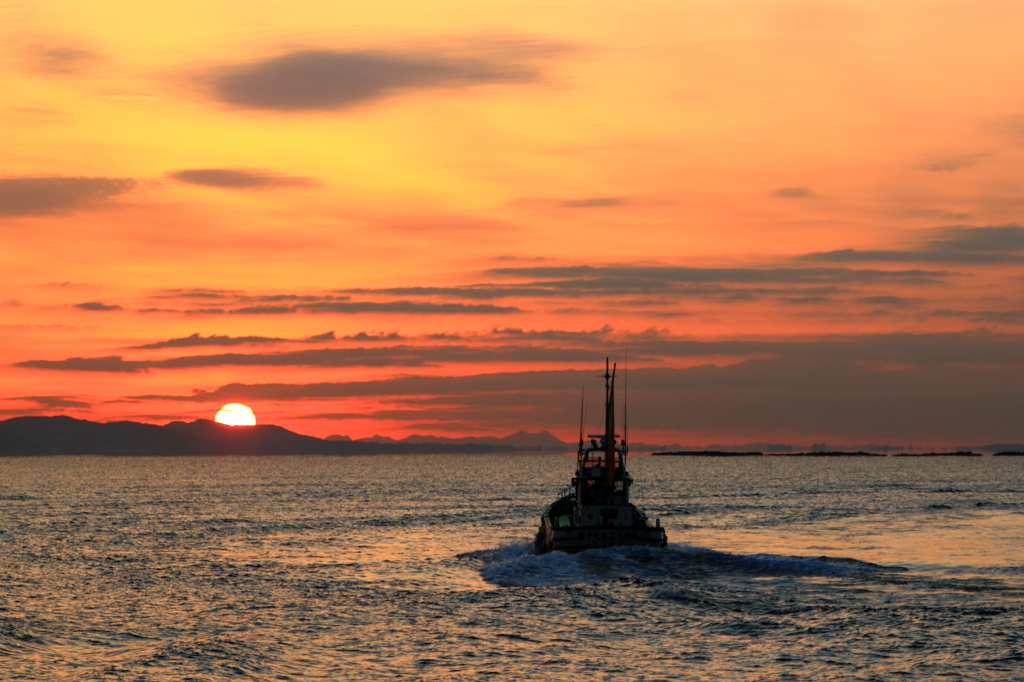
(236, 414)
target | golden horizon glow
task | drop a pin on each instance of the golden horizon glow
(236, 414)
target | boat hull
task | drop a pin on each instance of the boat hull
(581, 538)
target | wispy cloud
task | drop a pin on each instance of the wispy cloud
(239, 179)
(196, 340)
(594, 202)
(97, 306)
(649, 348)
(60, 59)
(397, 307)
(950, 164)
(55, 401)
(239, 303)
(36, 196)
(389, 356)
(109, 363)
(637, 277)
(338, 79)
(967, 245)
(794, 193)
(381, 336)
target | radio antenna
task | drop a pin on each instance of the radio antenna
(583, 395)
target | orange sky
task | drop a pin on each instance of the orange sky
(801, 219)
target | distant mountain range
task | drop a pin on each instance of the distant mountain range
(67, 436)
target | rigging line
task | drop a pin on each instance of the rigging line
(625, 404)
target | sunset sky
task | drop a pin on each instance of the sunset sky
(800, 220)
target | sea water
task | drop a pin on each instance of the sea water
(421, 568)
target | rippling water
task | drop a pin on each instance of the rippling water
(418, 567)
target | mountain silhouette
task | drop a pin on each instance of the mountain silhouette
(60, 435)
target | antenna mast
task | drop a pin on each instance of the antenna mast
(583, 395)
(609, 427)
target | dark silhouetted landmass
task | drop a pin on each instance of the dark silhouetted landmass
(28, 436)
(829, 453)
(67, 436)
(1003, 448)
(706, 453)
(836, 453)
(938, 454)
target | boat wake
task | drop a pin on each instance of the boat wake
(516, 565)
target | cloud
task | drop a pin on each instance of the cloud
(97, 306)
(647, 278)
(589, 287)
(330, 80)
(110, 363)
(340, 416)
(238, 303)
(363, 336)
(233, 178)
(999, 316)
(887, 300)
(198, 293)
(389, 356)
(60, 60)
(54, 401)
(650, 348)
(522, 259)
(1005, 238)
(262, 310)
(212, 340)
(950, 164)
(35, 196)
(804, 300)
(398, 307)
(794, 193)
(197, 340)
(594, 202)
(977, 245)
(598, 335)
(473, 291)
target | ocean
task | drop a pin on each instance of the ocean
(420, 568)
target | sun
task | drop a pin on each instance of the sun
(235, 414)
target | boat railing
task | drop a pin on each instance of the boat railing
(595, 458)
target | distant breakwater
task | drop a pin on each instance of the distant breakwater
(718, 453)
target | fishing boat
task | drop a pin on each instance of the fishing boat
(595, 510)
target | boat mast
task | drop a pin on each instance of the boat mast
(609, 427)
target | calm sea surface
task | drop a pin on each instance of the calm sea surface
(418, 567)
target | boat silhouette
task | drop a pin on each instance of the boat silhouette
(595, 511)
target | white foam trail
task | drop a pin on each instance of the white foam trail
(515, 565)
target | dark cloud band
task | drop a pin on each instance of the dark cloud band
(241, 179)
(963, 245)
(977, 348)
(35, 196)
(320, 80)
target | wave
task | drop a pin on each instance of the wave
(516, 565)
